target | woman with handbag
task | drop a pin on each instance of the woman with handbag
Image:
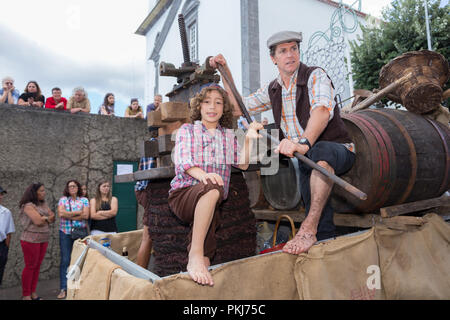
(73, 210)
(35, 217)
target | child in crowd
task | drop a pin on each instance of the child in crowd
(204, 153)
(134, 110)
(107, 108)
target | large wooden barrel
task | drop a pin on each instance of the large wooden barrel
(282, 190)
(235, 236)
(400, 157)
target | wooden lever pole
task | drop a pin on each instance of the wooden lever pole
(344, 184)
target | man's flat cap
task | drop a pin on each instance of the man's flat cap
(2, 191)
(284, 36)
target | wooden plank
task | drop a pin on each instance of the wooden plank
(170, 127)
(149, 149)
(340, 219)
(403, 221)
(165, 144)
(154, 119)
(155, 173)
(164, 161)
(412, 207)
(123, 178)
(174, 111)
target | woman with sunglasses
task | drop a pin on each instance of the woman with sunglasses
(73, 211)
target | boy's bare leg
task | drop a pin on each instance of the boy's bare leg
(145, 249)
(320, 191)
(197, 267)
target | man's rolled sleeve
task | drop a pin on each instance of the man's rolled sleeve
(321, 92)
(259, 101)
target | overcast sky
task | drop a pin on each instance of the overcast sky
(83, 42)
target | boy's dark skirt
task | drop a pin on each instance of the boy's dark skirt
(183, 202)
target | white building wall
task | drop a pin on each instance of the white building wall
(220, 32)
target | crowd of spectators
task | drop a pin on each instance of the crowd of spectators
(78, 102)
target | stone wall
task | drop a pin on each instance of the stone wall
(52, 147)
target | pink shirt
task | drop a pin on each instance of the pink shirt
(196, 147)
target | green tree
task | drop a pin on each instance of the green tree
(402, 29)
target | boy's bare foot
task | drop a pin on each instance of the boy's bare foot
(302, 241)
(197, 269)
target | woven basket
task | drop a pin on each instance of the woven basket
(423, 92)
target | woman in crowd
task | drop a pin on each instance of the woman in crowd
(79, 101)
(107, 108)
(103, 210)
(73, 211)
(35, 217)
(8, 93)
(134, 110)
(84, 192)
(32, 96)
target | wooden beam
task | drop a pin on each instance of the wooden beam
(149, 149)
(154, 119)
(174, 110)
(366, 220)
(412, 207)
(154, 173)
(165, 144)
(164, 161)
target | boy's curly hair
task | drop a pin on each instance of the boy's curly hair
(226, 121)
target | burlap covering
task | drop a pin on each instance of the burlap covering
(412, 260)
(126, 287)
(338, 269)
(415, 261)
(264, 277)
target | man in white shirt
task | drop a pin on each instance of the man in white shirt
(6, 229)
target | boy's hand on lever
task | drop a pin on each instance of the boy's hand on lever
(253, 129)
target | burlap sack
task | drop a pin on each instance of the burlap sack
(263, 277)
(127, 287)
(340, 269)
(95, 278)
(415, 261)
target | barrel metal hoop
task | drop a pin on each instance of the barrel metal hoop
(355, 119)
(388, 157)
(413, 157)
(443, 187)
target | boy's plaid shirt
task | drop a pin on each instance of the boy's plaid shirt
(196, 147)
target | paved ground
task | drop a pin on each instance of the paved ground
(46, 289)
